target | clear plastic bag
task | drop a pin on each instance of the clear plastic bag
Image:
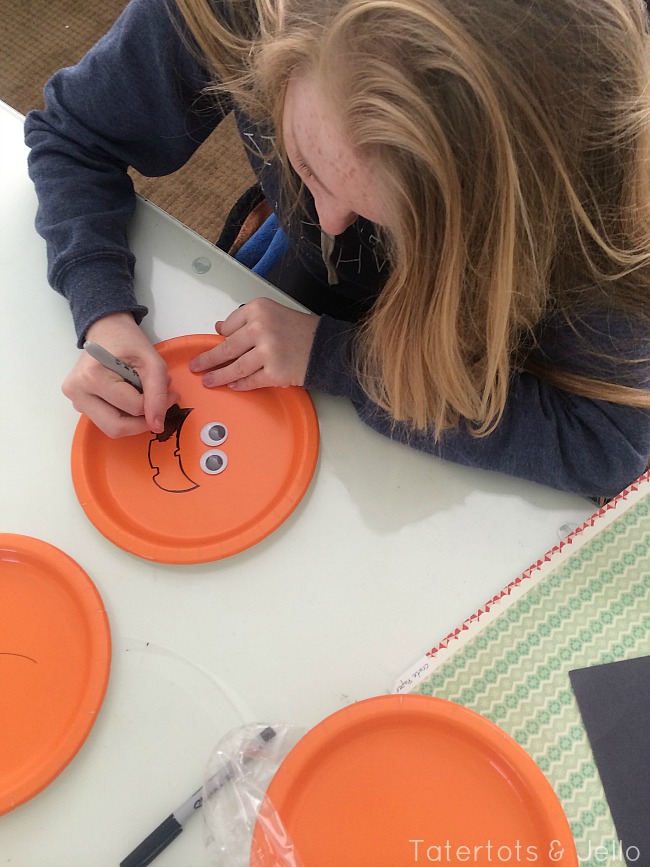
(234, 797)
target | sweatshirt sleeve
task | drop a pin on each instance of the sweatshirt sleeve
(133, 100)
(546, 435)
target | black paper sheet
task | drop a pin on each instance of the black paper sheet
(614, 702)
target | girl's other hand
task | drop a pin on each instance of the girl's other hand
(266, 344)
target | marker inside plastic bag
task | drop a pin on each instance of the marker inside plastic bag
(168, 830)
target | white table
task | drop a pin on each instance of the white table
(388, 551)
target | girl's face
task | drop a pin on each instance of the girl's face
(343, 186)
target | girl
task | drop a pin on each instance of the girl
(466, 192)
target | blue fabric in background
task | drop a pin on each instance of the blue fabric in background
(265, 248)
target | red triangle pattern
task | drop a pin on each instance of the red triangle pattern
(545, 559)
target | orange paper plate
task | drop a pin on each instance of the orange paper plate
(154, 499)
(55, 653)
(396, 780)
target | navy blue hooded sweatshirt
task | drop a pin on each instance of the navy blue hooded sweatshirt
(136, 100)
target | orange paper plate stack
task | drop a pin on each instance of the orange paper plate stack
(55, 653)
(400, 780)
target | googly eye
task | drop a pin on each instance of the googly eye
(214, 462)
(214, 433)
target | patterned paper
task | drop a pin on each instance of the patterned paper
(585, 604)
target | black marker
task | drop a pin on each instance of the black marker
(168, 830)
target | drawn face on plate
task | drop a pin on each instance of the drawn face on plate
(165, 457)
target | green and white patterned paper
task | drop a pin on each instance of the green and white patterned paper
(585, 604)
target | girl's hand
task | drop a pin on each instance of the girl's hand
(265, 344)
(113, 405)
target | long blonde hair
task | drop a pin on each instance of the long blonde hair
(513, 144)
